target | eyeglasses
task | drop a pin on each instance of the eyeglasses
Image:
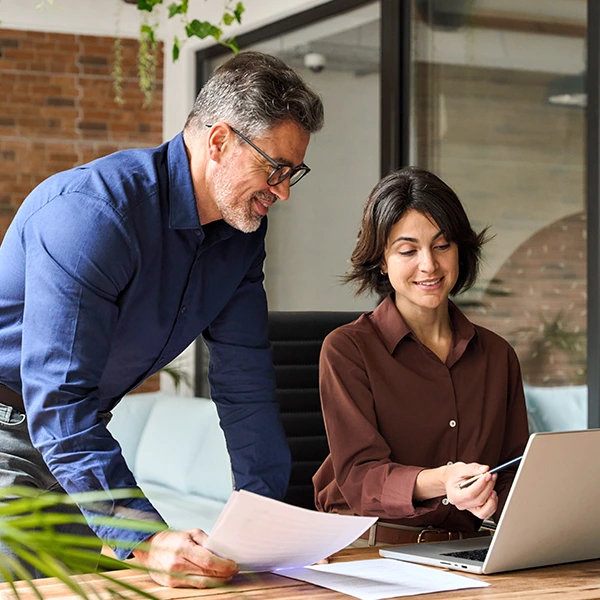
(280, 172)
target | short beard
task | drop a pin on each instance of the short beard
(240, 214)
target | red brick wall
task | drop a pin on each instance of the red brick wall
(544, 311)
(57, 110)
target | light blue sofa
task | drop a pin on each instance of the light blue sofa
(562, 408)
(176, 450)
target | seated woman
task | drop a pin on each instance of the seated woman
(416, 398)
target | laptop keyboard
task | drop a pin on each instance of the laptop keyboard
(477, 555)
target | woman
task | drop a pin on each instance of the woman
(415, 397)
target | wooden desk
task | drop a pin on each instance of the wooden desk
(577, 581)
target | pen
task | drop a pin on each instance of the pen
(471, 480)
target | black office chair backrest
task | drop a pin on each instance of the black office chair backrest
(296, 339)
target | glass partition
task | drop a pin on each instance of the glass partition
(498, 111)
(312, 235)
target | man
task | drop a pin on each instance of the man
(110, 270)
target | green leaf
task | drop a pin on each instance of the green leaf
(176, 9)
(203, 29)
(239, 9)
(176, 48)
(228, 18)
(148, 4)
(232, 44)
(148, 32)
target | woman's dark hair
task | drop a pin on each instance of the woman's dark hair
(412, 188)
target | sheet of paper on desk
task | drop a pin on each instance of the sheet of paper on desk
(261, 534)
(381, 578)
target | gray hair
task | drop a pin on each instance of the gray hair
(254, 92)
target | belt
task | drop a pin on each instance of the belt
(388, 533)
(10, 398)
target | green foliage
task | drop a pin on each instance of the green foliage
(178, 376)
(117, 71)
(148, 53)
(556, 334)
(148, 45)
(147, 62)
(28, 528)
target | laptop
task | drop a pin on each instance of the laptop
(551, 515)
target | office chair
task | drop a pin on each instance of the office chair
(296, 339)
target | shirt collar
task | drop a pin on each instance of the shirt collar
(393, 328)
(183, 212)
(182, 198)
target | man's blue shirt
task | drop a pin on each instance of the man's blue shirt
(106, 275)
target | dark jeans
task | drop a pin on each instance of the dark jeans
(21, 464)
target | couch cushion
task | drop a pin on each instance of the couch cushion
(128, 421)
(184, 511)
(182, 447)
(561, 408)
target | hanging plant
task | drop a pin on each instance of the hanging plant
(148, 45)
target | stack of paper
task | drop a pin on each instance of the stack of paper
(382, 578)
(261, 534)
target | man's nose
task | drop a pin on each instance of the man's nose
(281, 190)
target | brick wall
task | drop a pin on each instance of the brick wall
(57, 111)
(517, 163)
(543, 309)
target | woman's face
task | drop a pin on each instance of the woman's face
(421, 264)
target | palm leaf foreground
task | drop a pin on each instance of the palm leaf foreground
(28, 521)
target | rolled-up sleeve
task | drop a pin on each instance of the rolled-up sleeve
(370, 482)
(242, 382)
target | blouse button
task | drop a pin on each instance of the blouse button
(445, 502)
(453, 423)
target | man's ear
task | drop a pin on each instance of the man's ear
(219, 140)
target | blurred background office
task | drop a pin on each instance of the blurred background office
(498, 97)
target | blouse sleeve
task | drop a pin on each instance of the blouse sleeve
(516, 432)
(371, 484)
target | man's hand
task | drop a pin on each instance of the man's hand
(171, 554)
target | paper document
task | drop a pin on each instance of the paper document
(261, 534)
(381, 578)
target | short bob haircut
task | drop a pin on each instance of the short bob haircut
(412, 188)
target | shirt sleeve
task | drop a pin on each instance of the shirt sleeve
(242, 382)
(78, 260)
(516, 432)
(370, 482)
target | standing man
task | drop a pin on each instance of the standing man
(110, 270)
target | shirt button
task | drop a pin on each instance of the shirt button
(183, 309)
(449, 462)
(197, 232)
(445, 502)
(453, 423)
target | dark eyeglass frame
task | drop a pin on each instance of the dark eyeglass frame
(280, 172)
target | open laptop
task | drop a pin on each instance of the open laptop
(551, 516)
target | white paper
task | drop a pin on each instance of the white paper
(381, 578)
(261, 534)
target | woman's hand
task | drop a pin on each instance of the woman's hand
(479, 497)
